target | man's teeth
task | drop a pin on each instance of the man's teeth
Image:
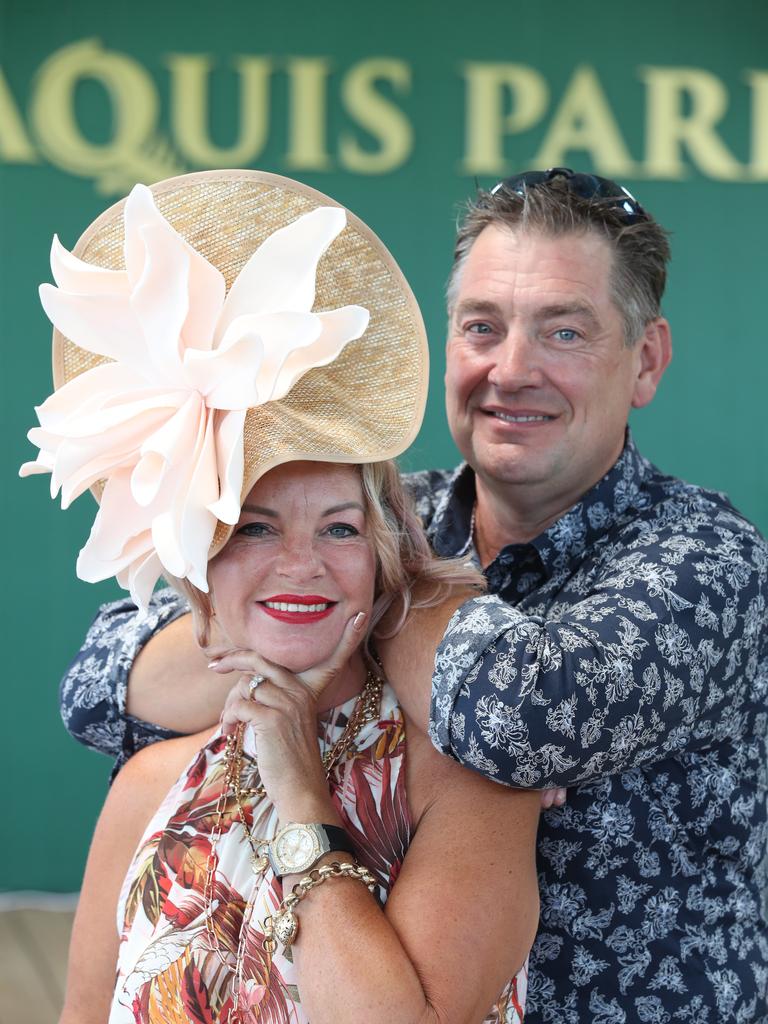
(508, 418)
(284, 606)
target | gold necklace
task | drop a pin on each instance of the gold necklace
(366, 710)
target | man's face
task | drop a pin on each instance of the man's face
(539, 382)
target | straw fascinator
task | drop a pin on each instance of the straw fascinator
(206, 330)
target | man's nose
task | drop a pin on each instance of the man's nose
(517, 363)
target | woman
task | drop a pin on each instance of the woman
(453, 851)
(195, 385)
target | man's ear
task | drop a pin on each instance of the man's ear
(654, 353)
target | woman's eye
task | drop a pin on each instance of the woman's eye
(342, 530)
(255, 529)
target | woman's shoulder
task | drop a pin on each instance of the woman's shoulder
(145, 781)
(435, 781)
(408, 656)
(151, 772)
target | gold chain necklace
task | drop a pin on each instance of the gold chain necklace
(366, 710)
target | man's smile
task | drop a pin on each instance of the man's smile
(518, 416)
(510, 418)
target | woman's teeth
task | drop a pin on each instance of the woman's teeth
(283, 606)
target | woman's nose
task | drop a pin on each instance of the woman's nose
(299, 559)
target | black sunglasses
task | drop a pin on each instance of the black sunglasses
(587, 186)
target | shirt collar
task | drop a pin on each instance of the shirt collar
(450, 531)
(565, 541)
(597, 512)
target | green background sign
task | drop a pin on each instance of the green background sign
(394, 110)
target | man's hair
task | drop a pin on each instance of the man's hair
(640, 250)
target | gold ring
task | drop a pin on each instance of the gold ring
(254, 684)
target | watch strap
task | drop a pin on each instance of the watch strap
(338, 839)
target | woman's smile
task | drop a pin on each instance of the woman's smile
(298, 566)
(298, 608)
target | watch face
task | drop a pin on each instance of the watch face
(296, 848)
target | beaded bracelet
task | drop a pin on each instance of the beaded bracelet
(283, 926)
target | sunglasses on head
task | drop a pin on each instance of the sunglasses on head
(586, 186)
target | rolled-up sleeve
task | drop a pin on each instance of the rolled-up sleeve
(92, 692)
(661, 650)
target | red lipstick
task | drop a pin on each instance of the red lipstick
(298, 608)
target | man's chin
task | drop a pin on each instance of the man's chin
(515, 469)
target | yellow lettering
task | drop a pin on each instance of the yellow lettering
(377, 115)
(308, 114)
(670, 129)
(491, 116)
(584, 121)
(15, 145)
(134, 114)
(190, 109)
(758, 165)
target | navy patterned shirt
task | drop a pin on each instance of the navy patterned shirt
(622, 653)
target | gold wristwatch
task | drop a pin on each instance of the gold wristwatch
(296, 847)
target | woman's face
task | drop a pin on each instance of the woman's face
(298, 565)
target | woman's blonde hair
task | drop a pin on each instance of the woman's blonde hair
(408, 574)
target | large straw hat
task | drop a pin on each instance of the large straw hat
(367, 404)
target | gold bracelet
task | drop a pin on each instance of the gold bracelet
(283, 926)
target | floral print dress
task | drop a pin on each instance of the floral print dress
(177, 960)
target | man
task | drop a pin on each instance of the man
(622, 649)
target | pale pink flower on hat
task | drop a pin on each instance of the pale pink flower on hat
(162, 422)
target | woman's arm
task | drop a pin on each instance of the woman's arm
(409, 656)
(462, 914)
(459, 921)
(135, 795)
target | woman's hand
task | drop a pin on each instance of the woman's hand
(282, 711)
(317, 678)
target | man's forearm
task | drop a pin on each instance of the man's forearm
(93, 691)
(649, 663)
(171, 685)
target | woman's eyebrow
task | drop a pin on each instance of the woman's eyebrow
(334, 509)
(260, 511)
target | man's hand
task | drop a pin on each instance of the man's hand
(553, 798)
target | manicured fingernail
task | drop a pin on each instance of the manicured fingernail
(359, 620)
(214, 663)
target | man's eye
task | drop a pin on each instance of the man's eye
(566, 334)
(342, 530)
(478, 328)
